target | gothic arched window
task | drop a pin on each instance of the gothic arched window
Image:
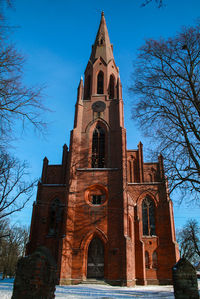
(55, 217)
(98, 148)
(87, 87)
(100, 79)
(111, 87)
(148, 217)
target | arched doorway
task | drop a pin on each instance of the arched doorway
(95, 266)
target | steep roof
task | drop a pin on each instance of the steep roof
(102, 46)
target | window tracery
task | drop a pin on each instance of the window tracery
(148, 217)
(98, 148)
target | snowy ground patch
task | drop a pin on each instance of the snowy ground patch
(6, 286)
(110, 292)
(98, 291)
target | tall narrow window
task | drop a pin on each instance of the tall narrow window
(111, 87)
(87, 87)
(100, 84)
(147, 266)
(98, 148)
(135, 172)
(55, 217)
(130, 170)
(155, 260)
(148, 217)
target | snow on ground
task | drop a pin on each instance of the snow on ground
(108, 292)
(6, 286)
(87, 291)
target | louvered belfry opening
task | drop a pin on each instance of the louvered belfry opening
(98, 148)
(100, 79)
(111, 87)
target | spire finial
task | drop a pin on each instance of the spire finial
(102, 13)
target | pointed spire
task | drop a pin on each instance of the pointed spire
(102, 46)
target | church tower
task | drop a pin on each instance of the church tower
(104, 213)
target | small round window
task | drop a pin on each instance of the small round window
(96, 195)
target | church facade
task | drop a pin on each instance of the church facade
(103, 212)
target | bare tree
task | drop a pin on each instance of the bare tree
(4, 228)
(167, 104)
(159, 3)
(15, 191)
(189, 241)
(18, 103)
(12, 247)
(3, 3)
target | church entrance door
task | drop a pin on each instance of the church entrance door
(95, 266)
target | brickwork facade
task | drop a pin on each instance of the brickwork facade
(103, 212)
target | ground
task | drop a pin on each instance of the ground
(98, 291)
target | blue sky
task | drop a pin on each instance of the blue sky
(56, 39)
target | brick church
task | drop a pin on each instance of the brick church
(103, 212)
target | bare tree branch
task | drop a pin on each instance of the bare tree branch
(167, 107)
(19, 103)
(13, 240)
(189, 241)
(160, 3)
(15, 191)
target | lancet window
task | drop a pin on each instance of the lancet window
(155, 260)
(100, 85)
(148, 217)
(112, 87)
(55, 217)
(87, 87)
(98, 148)
(147, 261)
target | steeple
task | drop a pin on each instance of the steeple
(102, 46)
